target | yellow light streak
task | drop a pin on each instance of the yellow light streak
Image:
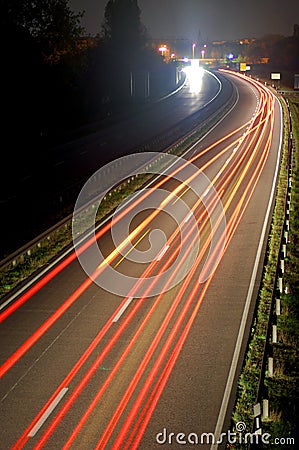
(129, 251)
(181, 195)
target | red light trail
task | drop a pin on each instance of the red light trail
(243, 167)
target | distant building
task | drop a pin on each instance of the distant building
(177, 47)
(213, 52)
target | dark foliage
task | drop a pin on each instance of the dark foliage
(40, 67)
(53, 85)
(285, 53)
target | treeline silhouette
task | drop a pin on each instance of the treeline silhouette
(53, 84)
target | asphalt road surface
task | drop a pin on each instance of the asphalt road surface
(145, 366)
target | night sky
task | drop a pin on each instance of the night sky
(216, 19)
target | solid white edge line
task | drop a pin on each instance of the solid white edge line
(102, 223)
(47, 413)
(122, 310)
(237, 351)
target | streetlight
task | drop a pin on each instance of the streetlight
(163, 49)
(193, 49)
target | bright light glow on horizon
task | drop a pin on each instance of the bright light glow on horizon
(163, 49)
(195, 75)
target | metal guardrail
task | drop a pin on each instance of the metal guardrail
(261, 407)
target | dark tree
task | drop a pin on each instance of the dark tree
(123, 27)
(40, 66)
(50, 23)
(284, 54)
(133, 70)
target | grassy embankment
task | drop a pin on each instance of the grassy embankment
(283, 386)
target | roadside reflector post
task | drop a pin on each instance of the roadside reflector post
(274, 334)
(270, 366)
(265, 409)
(280, 283)
(278, 307)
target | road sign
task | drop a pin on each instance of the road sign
(275, 76)
(243, 67)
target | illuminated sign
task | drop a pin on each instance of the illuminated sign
(275, 76)
(243, 67)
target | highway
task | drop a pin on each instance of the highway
(154, 362)
(42, 186)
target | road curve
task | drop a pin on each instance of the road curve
(84, 368)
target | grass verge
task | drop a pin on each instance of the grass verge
(282, 388)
